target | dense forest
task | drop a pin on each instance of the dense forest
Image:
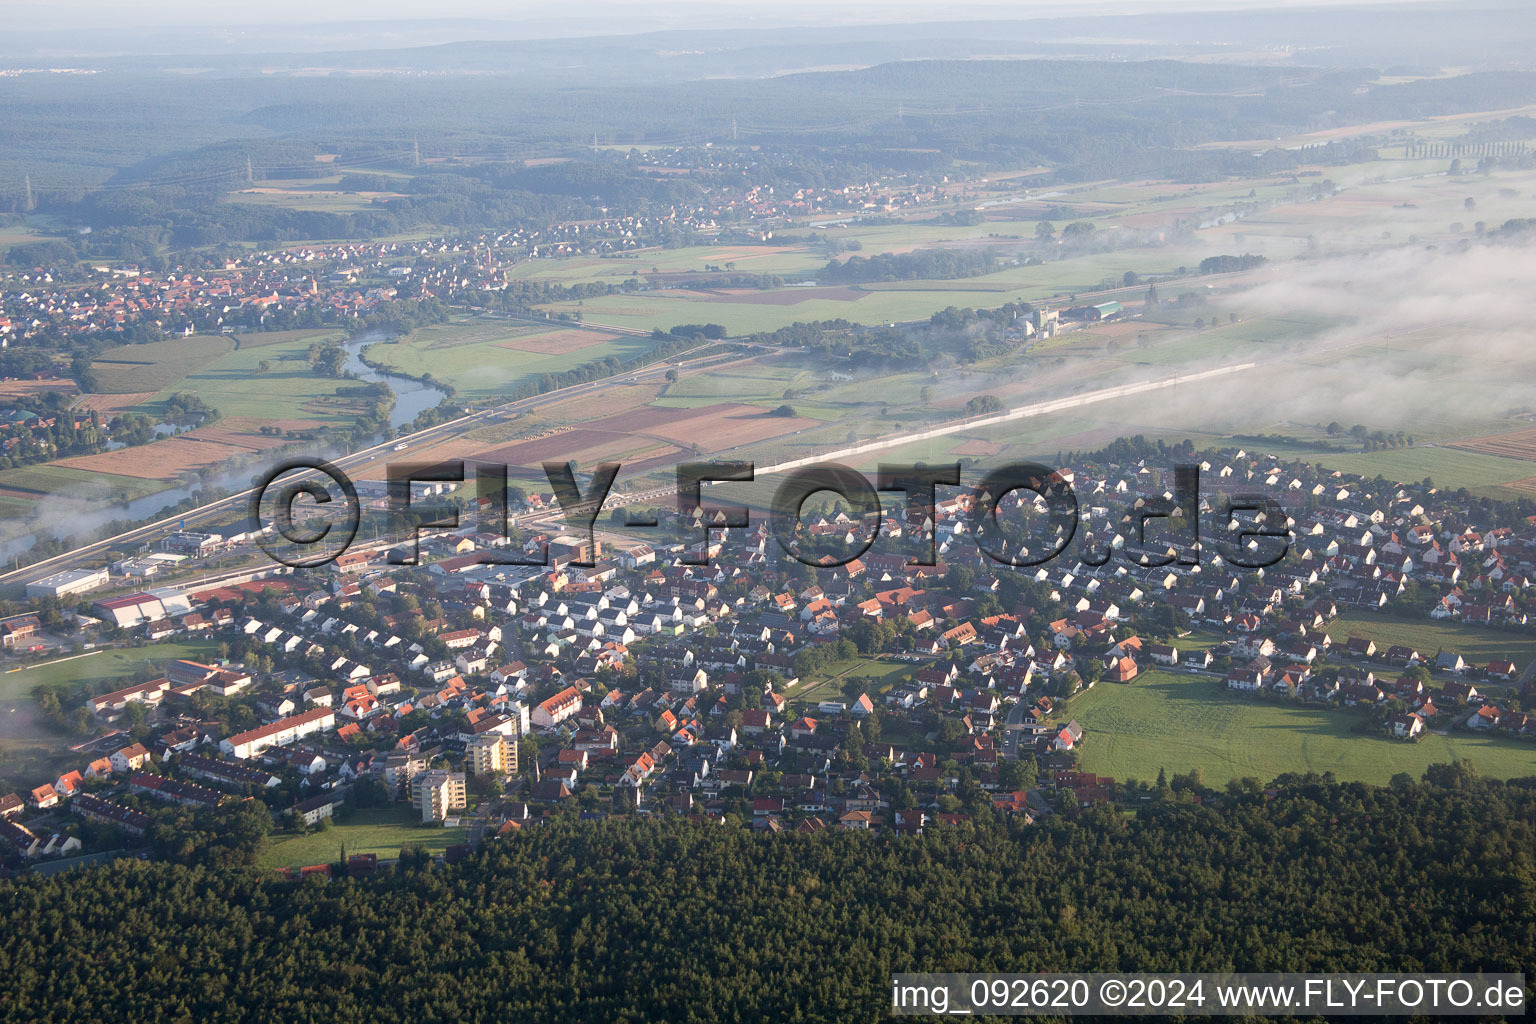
(638, 920)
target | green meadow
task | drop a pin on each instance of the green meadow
(1176, 723)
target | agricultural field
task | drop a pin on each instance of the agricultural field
(170, 457)
(674, 264)
(34, 483)
(486, 358)
(761, 383)
(318, 193)
(1476, 644)
(1447, 467)
(1387, 202)
(378, 830)
(644, 439)
(1222, 341)
(654, 311)
(19, 234)
(158, 365)
(319, 200)
(1515, 444)
(618, 398)
(1177, 722)
(28, 388)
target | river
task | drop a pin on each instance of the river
(80, 516)
(412, 397)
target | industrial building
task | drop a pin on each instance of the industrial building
(68, 583)
(132, 610)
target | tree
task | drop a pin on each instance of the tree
(959, 579)
(1017, 774)
(49, 705)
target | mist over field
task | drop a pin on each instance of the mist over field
(1444, 327)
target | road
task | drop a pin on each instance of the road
(1013, 727)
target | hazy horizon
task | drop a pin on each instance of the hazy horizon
(183, 19)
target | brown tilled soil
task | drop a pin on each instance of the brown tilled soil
(557, 343)
(169, 457)
(111, 405)
(1517, 444)
(24, 388)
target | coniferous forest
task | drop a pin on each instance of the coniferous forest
(663, 919)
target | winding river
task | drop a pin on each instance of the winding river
(81, 516)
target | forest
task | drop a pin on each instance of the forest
(633, 919)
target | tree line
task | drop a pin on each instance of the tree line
(630, 919)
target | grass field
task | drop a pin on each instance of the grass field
(828, 685)
(156, 366)
(1478, 646)
(32, 748)
(17, 234)
(308, 194)
(760, 259)
(751, 384)
(34, 482)
(487, 358)
(380, 830)
(110, 664)
(289, 389)
(264, 339)
(1177, 722)
(1447, 467)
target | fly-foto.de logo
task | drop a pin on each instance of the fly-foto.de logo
(1254, 531)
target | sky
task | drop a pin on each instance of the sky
(579, 17)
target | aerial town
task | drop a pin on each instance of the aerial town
(630, 512)
(313, 284)
(875, 694)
